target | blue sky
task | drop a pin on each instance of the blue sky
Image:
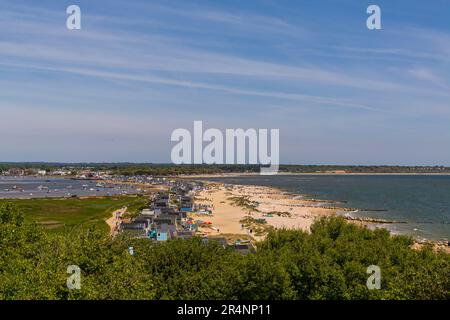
(137, 70)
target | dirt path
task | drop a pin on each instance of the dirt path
(114, 221)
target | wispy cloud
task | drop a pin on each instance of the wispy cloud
(216, 58)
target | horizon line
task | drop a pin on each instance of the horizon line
(223, 164)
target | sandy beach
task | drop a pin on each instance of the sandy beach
(253, 211)
(115, 219)
(269, 208)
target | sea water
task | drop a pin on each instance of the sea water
(423, 201)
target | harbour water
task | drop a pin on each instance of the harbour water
(42, 187)
(422, 201)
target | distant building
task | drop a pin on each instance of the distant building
(161, 236)
(62, 173)
(165, 219)
(185, 203)
(219, 240)
(136, 229)
(184, 234)
(148, 213)
(165, 232)
(16, 172)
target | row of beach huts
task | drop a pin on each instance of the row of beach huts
(168, 217)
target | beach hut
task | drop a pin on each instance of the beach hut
(161, 236)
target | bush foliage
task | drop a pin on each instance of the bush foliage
(328, 263)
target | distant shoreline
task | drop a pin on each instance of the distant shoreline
(250, 174)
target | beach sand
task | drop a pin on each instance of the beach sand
(227, 216)
(114, 221)
(296, 213)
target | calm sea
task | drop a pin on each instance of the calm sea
(423, 201)
(37, 187)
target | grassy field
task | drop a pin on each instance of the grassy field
(57, 214)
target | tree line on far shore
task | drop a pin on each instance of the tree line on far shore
(132, 169)
(330, 262)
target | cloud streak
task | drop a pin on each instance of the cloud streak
(222, 61)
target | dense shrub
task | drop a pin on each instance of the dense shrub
(328, 263)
